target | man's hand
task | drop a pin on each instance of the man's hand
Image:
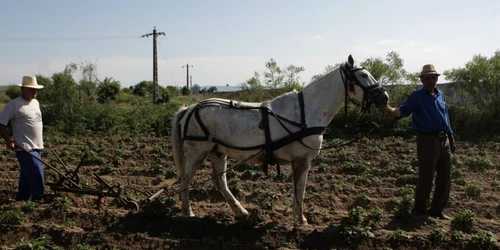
(390, 110)
(453, 146)
(383, 108)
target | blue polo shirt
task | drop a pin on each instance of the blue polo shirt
(430, 114)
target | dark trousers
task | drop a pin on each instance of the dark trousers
(434, 156)
(31, 179)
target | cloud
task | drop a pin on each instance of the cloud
(388, 42)
(308, 38)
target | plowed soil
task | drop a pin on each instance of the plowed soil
(366, 175)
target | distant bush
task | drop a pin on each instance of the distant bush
(13, 91)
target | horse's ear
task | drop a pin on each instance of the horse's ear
(350, 61)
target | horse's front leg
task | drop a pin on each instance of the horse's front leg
(300, 170)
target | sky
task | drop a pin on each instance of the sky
(226, 41)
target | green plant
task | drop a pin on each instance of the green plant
(235, 188)
(457, 236)
(437, 234)
(480, 164)
(60, 204)
(399, 235)
(353, 168)
(82, 247)
(349, 234)
(362, 200)
(403, 208)
(484, 239)
(374, 216)
(473, 191)
(29, 207)
(355, 215)
(13, 217)
(463, 221)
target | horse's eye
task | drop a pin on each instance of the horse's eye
(364, 75)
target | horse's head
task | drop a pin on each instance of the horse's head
(362, 86)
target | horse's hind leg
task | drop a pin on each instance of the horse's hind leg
(219, 174)
(300, 170)
(193, 162)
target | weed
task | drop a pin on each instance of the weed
(419, 236)
(480, 164)
(473, 191)
(106, 169)
(484, 239)
(403, 209)
(82, 247)
(399, 235)
(355, 215)
(406, 179)
(464, 221)
(13, 217)
(457, 236)
(29, 207)
(354, 169)
(374, 216)
(437, 235)
(362, 200)
(60, 204)
(351, 234)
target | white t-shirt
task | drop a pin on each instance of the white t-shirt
(26, 122)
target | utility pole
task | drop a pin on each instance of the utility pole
(187, 74)
(155, 62)
(191, 81)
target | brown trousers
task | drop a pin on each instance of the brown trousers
(434, 156)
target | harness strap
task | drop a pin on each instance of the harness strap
(269, 156)
(269, 146)
(302, 112)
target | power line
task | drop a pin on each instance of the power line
(168, 66)
(48, 39)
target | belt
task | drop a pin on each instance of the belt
(438, 134)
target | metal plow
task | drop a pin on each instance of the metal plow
(70, 182)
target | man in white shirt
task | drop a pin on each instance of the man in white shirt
(25, 118)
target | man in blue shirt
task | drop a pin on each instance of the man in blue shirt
(435, 142)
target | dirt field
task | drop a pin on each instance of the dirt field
(356, 197)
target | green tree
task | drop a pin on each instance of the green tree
(273, 77)
(108, 89)
(479, 79)
(185, 91)
(143, 88)
(252, 84)
(387, 71)
(292, 78)
(13, 91)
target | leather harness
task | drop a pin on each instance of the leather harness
(270, 146)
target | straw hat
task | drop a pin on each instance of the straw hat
(30, 82)
(429, 69)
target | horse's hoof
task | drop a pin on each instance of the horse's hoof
(243, 213)
(188, 213)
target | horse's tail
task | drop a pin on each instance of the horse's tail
(177, 148)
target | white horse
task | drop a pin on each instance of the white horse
(243, 131)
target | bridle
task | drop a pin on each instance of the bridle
(371, 94)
